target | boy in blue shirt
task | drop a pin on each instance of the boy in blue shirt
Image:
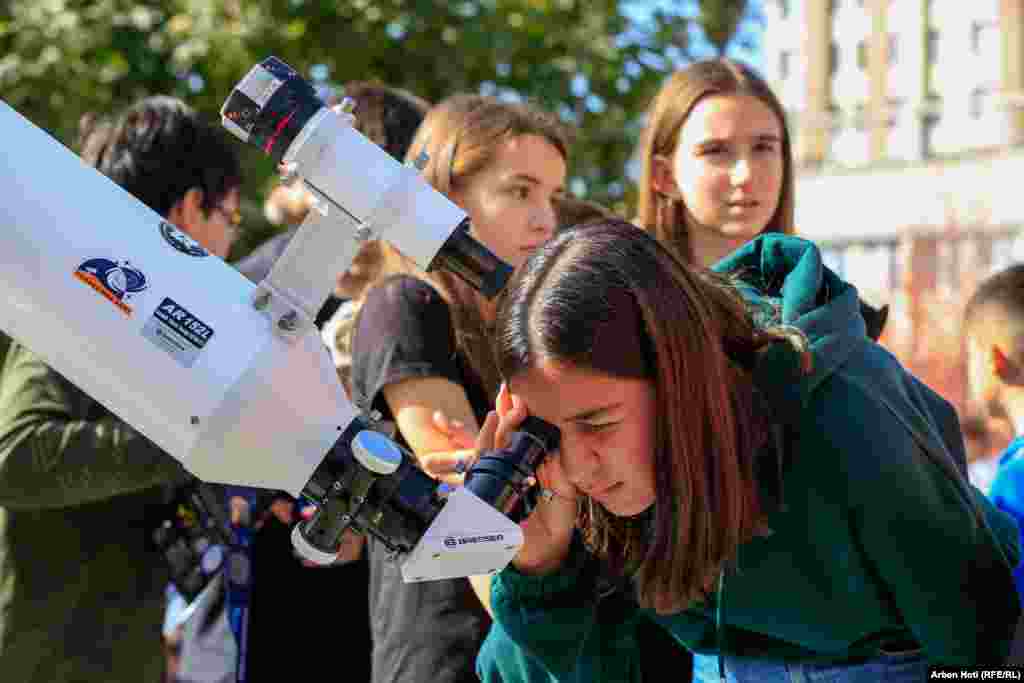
(994, 329)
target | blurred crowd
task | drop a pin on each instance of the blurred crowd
(87, 594)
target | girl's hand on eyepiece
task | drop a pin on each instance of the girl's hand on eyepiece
(547, 532)
(550, 474)
(449, 466)
(456, 431)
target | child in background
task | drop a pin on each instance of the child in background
(994, 327)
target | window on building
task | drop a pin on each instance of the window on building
(862, 55)
(860, 116)
(835, 118)
(979, 102)
(928, 124)
(833, 58)
(931, 46)
(785, 57)
(893, 49)
(895, 108)
(784, 8)
(931, 107)
(984, 34)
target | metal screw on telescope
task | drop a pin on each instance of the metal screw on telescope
(363, 233)
(261, 301)
(289, 322)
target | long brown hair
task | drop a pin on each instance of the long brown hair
(665, 216)
(697, 342)
(460, 137)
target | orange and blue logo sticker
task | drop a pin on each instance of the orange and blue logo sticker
(115, 281)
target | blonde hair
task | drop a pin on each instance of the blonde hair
(665, 216)
(460, 137)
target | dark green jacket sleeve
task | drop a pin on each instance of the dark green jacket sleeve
(558, 621)
(59, 448)
(949, 571)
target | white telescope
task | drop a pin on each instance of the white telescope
(229, 378)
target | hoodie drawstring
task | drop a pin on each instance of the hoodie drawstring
(719, 629)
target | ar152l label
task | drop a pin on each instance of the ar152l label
(177, 331)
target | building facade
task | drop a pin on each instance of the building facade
(913, 110)
(896, 80)
(907, 118)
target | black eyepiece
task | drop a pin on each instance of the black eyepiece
(473, 262)
(499, 476)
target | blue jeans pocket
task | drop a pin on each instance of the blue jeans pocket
(906, 666)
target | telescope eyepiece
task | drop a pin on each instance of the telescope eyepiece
(499, 476)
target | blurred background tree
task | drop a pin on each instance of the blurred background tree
(594, 62)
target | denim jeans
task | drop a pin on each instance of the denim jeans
(908, 667)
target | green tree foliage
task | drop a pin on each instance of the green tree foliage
(594, 62)
(721, 21)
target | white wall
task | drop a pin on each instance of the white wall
(880, 203)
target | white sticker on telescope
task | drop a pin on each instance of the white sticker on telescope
(177, 332)
(259, 85)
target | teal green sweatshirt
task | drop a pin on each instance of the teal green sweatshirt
(879, 537)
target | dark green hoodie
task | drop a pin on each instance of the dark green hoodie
(876, 539)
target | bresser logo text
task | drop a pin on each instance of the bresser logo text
(481, 539)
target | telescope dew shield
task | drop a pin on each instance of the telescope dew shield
(276, 110)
